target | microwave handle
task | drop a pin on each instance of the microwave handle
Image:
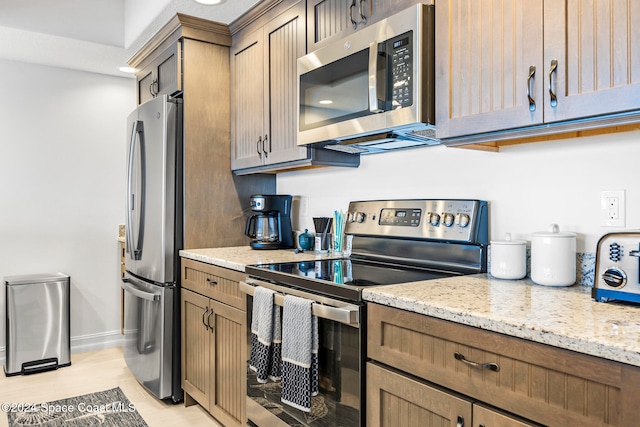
(373, 78)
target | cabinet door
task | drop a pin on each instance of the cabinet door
(145, 84)
(284, 43)
(598, 60)
(228, 362)
(396, 400)
(328, 20)
(162, 76)
(168, 70)
(196, 372)
(485, 417)
(485, 52)
(247, 74)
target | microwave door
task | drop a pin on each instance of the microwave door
(335, 96)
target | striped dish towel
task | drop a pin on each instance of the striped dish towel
(264, 357)
(299, 353)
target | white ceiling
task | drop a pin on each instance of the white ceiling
(94, 35)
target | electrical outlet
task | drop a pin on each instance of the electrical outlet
(612, 208)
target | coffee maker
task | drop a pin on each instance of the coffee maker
(270, 225)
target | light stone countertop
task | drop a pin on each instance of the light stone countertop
(565, 317)
(237, 257)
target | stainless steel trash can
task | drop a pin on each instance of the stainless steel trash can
(37, 323)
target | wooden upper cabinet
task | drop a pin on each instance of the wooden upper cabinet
(329, 20)
(248, 79)
(484, 54)
(264, 73)
(162, 76)
(505, 64)
(595, 44)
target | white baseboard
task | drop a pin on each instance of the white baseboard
(84, 343)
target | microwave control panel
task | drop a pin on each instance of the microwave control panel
(400, 50)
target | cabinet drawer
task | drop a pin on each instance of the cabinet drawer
(396, 400)
(549, 385)
(217, 283)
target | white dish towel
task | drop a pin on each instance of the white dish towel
(266, 334)
(299, 353)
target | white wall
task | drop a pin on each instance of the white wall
(529, 186)
(62, 168)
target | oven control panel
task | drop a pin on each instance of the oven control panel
(450, 220)
(617, 275)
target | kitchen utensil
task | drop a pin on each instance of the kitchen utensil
(305, 240)
(508, 258)
(323, 238)
(553, 257)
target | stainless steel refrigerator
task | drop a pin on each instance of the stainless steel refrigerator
(153, 238)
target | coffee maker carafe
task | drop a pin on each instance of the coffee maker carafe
(270, 225)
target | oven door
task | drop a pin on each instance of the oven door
(341, 356)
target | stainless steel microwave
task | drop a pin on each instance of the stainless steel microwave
(373, 90)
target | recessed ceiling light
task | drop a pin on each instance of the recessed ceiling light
(209, 2)
(325, 102)
(130, 70)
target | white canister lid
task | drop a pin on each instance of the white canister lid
(507, 241)
(554, 232)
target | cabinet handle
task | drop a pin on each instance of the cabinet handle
(353, 22)
(204, 313)
(258, 144)
(264, 141)
(460, 422)
(552, 71)
(363, 18)
(530, 80)
(154, 88)
(209, 321)
(211, 282)
(491, 366)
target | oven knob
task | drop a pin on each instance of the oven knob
(448, 219)
(464, 220)
(351, 217)
(614, 277)
(360, 216)
(434, 219)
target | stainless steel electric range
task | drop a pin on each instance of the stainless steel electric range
(394, 241)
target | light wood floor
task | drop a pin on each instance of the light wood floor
(96, 371)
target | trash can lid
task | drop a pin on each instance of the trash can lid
(35, 278)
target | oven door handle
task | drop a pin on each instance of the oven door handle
(342, 312)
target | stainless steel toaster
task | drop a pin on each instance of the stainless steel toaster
(617, 275)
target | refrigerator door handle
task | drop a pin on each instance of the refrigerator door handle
(137, 135)
(137, 292)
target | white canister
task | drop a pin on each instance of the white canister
(508, 258)
(553, 257)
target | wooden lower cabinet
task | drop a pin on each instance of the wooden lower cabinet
(394, 399)
(397, 400)
(214, 347)
(526, 380)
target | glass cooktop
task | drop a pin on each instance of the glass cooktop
(342, 278)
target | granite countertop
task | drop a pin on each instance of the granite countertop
(565, 317)
(237, 257)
